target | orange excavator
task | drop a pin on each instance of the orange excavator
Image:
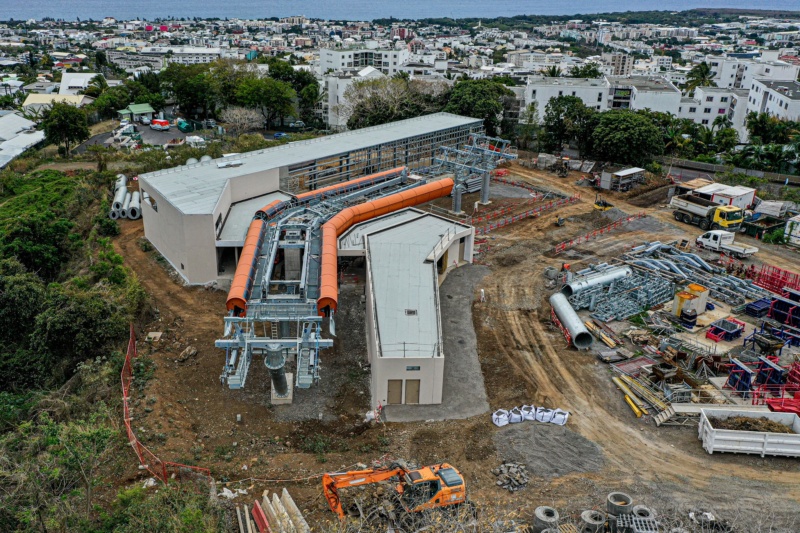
(412, 490)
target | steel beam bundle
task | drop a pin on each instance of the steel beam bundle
(622, 297)
(664, 260)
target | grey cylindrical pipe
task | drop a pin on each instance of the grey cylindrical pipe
(581, 338)
(602, 278)
(544, 518)
(122, 181)
(619, 503)
(119, 198)
(275, 362)
(125, 205)
(653, 247)
(135, 207)
(485, 188)
(701, 261)
(113, 214)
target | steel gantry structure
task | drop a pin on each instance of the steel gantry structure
(472, 165)
(286, 280)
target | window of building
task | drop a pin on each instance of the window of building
(692, 110)
(560, 93)
(412, 369)
(709, 98)
(705, 121)
(707, 110)
(723, 99)
(721, 111)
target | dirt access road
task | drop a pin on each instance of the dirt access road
(604, 447)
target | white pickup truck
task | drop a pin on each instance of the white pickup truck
(722, 241)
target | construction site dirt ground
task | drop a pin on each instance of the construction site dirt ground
(184, 414)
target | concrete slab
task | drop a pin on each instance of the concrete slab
(463, 391)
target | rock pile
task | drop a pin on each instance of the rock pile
(511, 476)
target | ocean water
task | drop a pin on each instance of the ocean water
(352, 9)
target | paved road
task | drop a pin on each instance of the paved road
(149, 136)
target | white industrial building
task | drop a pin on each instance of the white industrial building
(196, 215)
(17, 134)
(408, 254)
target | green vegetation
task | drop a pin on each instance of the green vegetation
(65, 125)
(66, 301)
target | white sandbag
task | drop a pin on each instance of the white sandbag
(500, 418)
(528, 412)
(515, 416)
(544, 414)
(559, 417)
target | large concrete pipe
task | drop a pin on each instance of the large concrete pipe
(119, 198)
(135, 207)
(601, 278)
(544, 518)
(121, 183)
(123, 213)
(113, 214)
(581, 338)
(619, 503)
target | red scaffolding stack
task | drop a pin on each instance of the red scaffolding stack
(775, 279)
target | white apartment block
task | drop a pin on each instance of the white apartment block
(621, 64)
(739, 73)
(184, 55)
(655, 93)
(386, 61)
(708, 103)
(592, 92)
(336, 113)
(127, 60)
(778, 98)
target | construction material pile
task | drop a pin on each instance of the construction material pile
(511, 476)
(504, 417)
(374, 502)
(126, 204)
(743, 423)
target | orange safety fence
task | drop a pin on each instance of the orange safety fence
(159, 469)
(595, 233)
(527, 214)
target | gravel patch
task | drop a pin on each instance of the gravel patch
(548, 450)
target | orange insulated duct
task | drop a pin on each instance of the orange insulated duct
(245, 270)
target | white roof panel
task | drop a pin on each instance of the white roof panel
(404, 286)
(195, 189)
(239, 217)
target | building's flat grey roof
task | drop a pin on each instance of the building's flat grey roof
(240, 215)
(402, 280)
(353, 239)
(568, 82)
(644, 83)
(195, 189)
(792, 88)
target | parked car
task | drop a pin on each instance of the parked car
(144, 120)
(209, 123)
(159, 124)
(297, 124)
(124, 122)
(281, 135)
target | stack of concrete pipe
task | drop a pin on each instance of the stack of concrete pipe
(126, 204)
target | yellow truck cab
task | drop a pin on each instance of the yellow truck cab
(728, 217)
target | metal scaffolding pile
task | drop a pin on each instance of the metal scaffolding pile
(624, 297)
(667, 261)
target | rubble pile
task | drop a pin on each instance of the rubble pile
(511, 476)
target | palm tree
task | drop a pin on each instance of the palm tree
(97, 86)
(721, 122)
(700, 76)
(553, 71)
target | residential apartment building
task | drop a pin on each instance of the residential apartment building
(708, 103)
(386, 61)
(778, 98)
(335, 112)
(592, 92)
(620, 64)
(128, 60)
(739, 73)
(655, 93)
(184, 55)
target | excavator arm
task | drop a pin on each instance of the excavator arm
(332, 482)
